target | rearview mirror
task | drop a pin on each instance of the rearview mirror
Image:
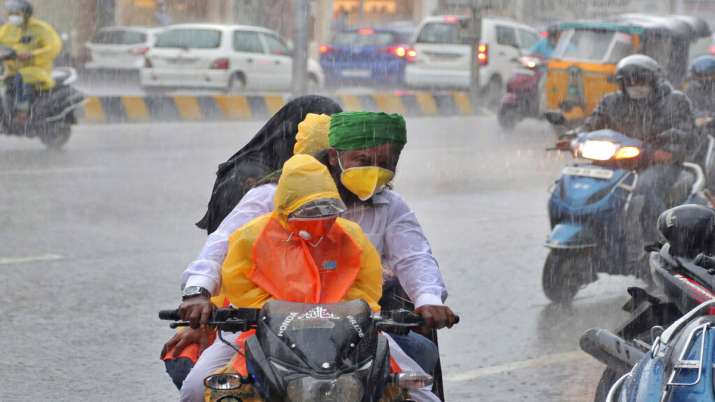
(555, 118)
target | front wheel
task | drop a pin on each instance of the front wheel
(608, 378)
(56, 136)
(565, 273)
(508, 118)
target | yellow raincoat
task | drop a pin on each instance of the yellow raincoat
(38, 39)
(265, 261)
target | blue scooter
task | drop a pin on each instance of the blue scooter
(595, 215)
(678, 367)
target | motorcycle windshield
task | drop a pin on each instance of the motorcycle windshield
(317, 338)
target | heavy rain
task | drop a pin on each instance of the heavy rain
(357, 200)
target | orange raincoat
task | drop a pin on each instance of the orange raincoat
(266, 261)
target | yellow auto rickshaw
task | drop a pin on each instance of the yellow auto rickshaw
(582, 69)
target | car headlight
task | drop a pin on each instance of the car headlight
(308, 389)
(223, 382)
(598, 150)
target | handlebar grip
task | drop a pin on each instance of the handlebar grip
(171, 315)
(705, 261)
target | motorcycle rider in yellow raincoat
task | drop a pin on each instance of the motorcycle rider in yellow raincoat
(37, 45)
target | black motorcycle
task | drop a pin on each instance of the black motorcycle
(51, 114)
(312, 352)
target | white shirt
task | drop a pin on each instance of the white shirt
(388, 223)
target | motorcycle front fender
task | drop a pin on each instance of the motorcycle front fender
(570, 236)
(510, 99)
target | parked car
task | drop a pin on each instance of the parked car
(120, 48)
(229, 57)
(375, 55)
(442, 53)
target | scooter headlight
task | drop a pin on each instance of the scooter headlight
(598, 150)
(627, 153)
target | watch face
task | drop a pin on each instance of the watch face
(192, 291)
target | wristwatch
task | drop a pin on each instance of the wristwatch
(194, 291)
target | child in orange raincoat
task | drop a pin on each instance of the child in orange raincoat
(302, 252)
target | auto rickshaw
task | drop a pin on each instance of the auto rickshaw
(583, 67)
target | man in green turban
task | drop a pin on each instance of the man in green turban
(364, 151)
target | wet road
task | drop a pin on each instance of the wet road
(94, 238)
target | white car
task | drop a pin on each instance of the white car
(228, 57)
(442, 54)
(120, 48)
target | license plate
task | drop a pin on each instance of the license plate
(356, 73)
(588, 172)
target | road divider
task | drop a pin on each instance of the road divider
(143, 109)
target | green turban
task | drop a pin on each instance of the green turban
(360, 130)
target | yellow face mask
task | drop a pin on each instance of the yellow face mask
(365, 181)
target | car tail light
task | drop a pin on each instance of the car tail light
(325, 49)
(398, 51)
(366, 31)
(402, 52)
(139, 51)
(451, 19)
(712, 49)
(411, 55)
(483, 54)
(147, 63)
(221, 64)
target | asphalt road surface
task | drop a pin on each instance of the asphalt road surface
(94, 239)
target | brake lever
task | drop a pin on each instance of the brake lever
(230, 325)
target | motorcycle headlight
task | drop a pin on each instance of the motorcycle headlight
(223, 382)
(308, 389)
(598, 150)
(529, 62)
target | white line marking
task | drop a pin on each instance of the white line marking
(23, 260)
(37, 172)
(518, 365)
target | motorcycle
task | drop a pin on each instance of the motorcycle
(52, 113)
(594, 214)
(522, 98)
(305, 352)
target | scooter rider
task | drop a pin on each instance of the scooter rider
(701, 86)
(649, 109)
(37, 45)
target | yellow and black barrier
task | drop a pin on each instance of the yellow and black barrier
(147, 109)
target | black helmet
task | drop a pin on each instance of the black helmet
(703, 68)
(637, 69)
(690, 230)
(19, 7)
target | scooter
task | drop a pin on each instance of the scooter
(678, 366)
(595, 215)
(682, 269)
(308, 352)
(51, 114)
(523, 95)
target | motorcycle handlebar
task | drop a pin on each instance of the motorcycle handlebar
(170, 315)
(228, 318)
